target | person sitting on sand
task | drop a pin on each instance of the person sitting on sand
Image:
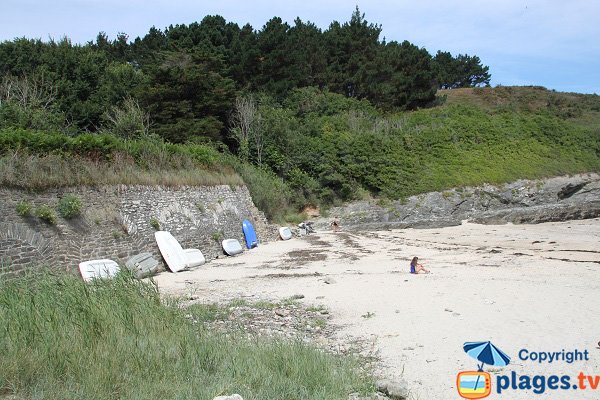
(415, 267)
(335, 224)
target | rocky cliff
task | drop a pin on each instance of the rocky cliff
(524, 201)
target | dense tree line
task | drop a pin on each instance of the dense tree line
(188, 76)
(309, 114)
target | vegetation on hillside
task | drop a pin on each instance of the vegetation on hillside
(301, 115)
(187, 76)
(329, 147)
(61, 338)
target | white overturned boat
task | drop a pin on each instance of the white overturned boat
(175, 256)
(142, 265)
(285, 233)
(95, 269)
(171, 251)
(194, 257)
(232, 247)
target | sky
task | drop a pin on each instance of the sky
(552, 43)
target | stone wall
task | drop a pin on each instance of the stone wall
(116, 224)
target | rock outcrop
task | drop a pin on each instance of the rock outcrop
(524, 201)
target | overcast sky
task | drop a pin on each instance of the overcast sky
(552, 43)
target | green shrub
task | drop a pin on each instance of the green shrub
(41, 160)
(218, 236)
(69, 206)
(127, 120)
(30, 104)
(295, 218)
(47, 214)
(270, 193)
(155, 223)
(24, 208)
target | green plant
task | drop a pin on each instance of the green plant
(265, 305)
(24, 208)
(294, 217)
(127, 120)
(446, 194)
(69, 339)
(41, 160)
(319, 323)
(155, 223)
(368, 315)
(201, 208)
(539, 184)
(208, 312)
(47, 214)
(69, 206)
(238, 303)
(290, 301)
(465, 195)
(218, 236)
(270, 194)
(318, 308)
(384, 202)
(419, 202)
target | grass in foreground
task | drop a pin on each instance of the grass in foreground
(62, 338)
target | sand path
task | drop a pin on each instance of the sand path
(534, 287)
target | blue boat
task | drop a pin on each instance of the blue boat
(249, 234)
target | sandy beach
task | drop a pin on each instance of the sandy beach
(534, 287)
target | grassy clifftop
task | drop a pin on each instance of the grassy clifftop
(578, 108)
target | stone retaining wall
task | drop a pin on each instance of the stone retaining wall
(116, 223)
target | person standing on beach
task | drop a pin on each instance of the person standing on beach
(415, 267)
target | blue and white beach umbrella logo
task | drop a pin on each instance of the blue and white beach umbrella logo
(478, 384)
(486, 353)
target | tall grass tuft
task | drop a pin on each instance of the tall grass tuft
(63, 339)
(40, 172)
